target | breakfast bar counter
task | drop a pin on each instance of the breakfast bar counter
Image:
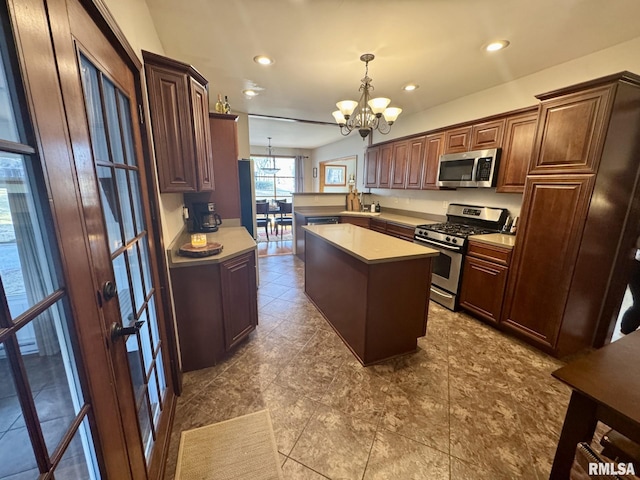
(372, 288)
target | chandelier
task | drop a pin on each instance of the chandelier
(270, 170)
(367, 114)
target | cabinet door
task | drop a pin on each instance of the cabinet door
(571, 131)
(399, 165)
(482, 290)
(415, 164)
(549, 233)
(457, 140)
(224, 148)
(202, 136)
(239, 298)
(384, 166)
(171, 122)
(517, 148)
(487, 135)
(371, 167)
(433, 150)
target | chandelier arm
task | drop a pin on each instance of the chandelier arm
(383, 126)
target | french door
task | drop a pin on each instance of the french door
(94, 284)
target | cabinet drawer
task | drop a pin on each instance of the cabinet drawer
(378, 225)
(400, 231)
(359, 221)
(492, 253)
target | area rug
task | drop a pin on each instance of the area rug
(237, 449)
(262, 237)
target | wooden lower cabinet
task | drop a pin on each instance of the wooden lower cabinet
(299, 221)
(484, 279)
(363, 222)
(216, 308)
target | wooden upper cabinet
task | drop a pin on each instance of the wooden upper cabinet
(371, 167)
(385, 162)
(457, 140)
(224, 148)
(571, 131)
(399, 164)
(179, 107)
(487, 135)
(517, 148)
(549, 235)
(434, 144)
(202, 136)
(415, 163)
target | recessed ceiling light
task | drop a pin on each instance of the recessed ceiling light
(497, 45)
(263, 60)
(250, 93)
(410, 87)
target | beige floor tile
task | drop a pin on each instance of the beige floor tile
(395, 457)
(422, 418)
(334, 444)
(289, 412)
(293, 470)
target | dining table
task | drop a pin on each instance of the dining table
(606, 388)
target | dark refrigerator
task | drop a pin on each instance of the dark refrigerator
(247, 195)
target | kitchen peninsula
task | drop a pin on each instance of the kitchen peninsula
(372, 288)
(215, 297)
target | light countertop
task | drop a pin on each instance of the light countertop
(369, 246)
(235, 241)
(385, 216)
(499, 239)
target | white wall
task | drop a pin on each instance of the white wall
(509, 96)
(134, 19)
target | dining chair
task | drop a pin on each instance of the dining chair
(262, 216)
(285, 216)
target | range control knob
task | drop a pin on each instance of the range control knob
(455, 240)
(448, 239)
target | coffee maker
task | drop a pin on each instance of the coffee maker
(203, 218)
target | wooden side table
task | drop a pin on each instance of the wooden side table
(606, 387)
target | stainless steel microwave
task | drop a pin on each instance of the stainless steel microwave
(478, 168)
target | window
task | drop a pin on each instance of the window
(275, 178)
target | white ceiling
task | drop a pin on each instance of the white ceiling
(317, 44)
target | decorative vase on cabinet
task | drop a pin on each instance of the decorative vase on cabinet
(179, 108)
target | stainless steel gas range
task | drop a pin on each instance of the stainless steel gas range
(450, 239)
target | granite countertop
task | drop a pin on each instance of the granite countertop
(369, 246)
(235, 241)
(499, 239)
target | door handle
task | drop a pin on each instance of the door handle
(109, 290)
(118, 330)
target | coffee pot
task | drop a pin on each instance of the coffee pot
(204, 217)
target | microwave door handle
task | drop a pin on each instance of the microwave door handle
(474, 173)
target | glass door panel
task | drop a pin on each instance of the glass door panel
(119, 182)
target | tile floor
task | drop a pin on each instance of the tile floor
(471, 403)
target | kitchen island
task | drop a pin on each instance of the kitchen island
(372, 288)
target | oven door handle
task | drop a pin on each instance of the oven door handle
(438, 292)
(443, 245)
